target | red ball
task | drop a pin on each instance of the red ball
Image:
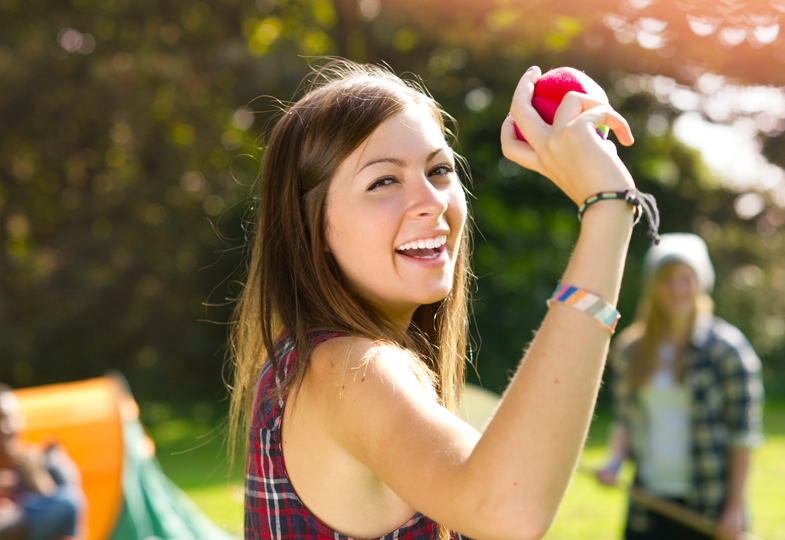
(551, 88)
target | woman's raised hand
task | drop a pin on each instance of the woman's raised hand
(569, 152)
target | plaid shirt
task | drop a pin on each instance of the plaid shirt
(726, 398)
(272, 508)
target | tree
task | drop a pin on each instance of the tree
(132, 143)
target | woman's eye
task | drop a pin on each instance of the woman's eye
(382, 182)
(442, 170)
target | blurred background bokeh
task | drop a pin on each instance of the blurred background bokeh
(130, 143)
(130, 136)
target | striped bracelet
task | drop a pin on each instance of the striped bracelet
(587, 302)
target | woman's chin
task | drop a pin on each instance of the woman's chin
(436, 296)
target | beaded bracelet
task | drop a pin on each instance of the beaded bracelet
(642, 203)
(587, 302)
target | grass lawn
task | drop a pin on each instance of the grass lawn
(591, 511)
(194, 457)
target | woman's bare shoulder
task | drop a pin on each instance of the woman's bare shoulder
(355, 359)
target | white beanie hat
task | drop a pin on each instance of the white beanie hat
(686, 248)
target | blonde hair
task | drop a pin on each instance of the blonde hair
(293, 284)
(644, 336)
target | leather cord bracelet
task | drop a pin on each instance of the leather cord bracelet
(643, 204)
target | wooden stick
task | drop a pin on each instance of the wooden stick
(680, 514)
(673, 511)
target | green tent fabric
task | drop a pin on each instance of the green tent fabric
(154, 508)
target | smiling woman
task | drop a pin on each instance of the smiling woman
(349, 341)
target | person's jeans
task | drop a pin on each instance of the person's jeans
(48, 517)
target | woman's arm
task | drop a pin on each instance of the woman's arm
(618, 449)
(731, 520)
(740, 372)
(31, 465)
(547, 408)
(544, 417)
(509, 482)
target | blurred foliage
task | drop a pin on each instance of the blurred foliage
(131, 141)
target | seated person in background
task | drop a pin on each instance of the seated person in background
(11, 524)
(40, 488)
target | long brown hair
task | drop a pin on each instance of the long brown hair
(645, 335)
(293, 284)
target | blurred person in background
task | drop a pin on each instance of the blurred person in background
(40, 487)
(687, 397)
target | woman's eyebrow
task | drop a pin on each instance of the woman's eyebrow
(399, 162)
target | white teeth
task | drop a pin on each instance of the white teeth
(430, 243)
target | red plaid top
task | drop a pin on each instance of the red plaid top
(272, 509)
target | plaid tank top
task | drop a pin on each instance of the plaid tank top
(272, 509)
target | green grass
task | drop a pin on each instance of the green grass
(192, 453)
(194, 457)
(591, 511)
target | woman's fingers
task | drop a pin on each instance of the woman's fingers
(525, 88)
(577, 107)
(514, 149)
(565, 151)
(528, 120)
(605, 115)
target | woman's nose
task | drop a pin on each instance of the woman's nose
(427, 200)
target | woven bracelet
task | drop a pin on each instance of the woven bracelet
(643, 204)
(626, 195)
(587, 302)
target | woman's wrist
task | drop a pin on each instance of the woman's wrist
(614, 465)
(598, 259)
(610, 217)
(642, 204)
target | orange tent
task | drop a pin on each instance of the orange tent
(84, 417)
(128, 495)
